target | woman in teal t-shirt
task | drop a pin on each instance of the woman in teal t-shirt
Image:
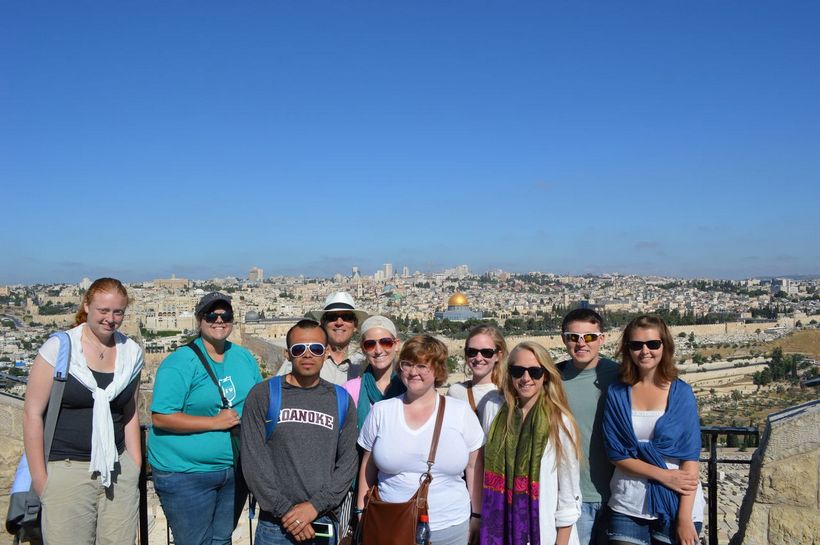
(189, 445)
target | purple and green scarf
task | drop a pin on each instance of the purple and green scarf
(512, 464)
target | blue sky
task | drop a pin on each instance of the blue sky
(141, 139)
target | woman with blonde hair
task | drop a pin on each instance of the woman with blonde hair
(532, 488)
(88, 485)
(485, 352)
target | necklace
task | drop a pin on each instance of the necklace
(99, 345)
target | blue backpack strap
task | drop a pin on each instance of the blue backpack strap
(274, 405)
(63, 356)
(341, 405)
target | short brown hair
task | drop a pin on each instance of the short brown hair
(427, 349)
(305, 323)
(583, 315)
(667, 372)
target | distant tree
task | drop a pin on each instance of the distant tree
(762, 378)
(698, 359)
(692, 337)
(682, 334)
(732, 439)
(452, 364)
(737, 395)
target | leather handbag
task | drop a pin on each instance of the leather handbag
(388, 523)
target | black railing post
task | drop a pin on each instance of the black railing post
(713, 518)
(712, 432)
(143, 486)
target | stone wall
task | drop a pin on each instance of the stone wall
(11, 447)
(269, 353)
(782, 504)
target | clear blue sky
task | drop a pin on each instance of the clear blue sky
(141, 139)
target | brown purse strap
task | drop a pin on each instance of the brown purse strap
(471, 397)
(436, 433)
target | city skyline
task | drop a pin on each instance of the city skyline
(199, 139)
(378, 276)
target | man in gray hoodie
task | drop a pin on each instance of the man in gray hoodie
(301, 473)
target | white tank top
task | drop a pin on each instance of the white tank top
(629, 493)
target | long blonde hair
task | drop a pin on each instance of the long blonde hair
(552, 400)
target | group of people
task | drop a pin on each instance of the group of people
(585, 451)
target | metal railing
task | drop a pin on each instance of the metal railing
(711, 432)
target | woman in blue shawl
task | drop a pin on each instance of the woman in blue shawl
(652, 435)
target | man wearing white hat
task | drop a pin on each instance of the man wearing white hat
(340, 318)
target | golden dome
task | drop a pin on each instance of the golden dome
(457, 300)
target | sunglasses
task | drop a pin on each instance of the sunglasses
(299, 349)
(421, 368)
(517, 371)
(226, 316)
(637, 346)
(488, 353)
(345, 316)
(385, 342)
(575, 337)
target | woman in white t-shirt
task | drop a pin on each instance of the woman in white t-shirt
(485, 352)
(396, 439)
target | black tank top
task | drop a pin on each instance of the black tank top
(72, 438)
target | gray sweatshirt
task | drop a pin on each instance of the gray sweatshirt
(306, 459)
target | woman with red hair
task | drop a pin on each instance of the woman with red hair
(88, 485)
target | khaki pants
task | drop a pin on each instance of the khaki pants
(78, 510)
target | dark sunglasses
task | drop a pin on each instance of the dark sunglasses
(488, 353)
(588, 337)
(298, 349)
(226, 316)
(517, 371)
(636, 346)
(345, 316)
(385, 342)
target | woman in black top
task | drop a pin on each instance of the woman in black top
(88, 488)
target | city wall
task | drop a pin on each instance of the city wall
(11, 447)
(456, 346)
